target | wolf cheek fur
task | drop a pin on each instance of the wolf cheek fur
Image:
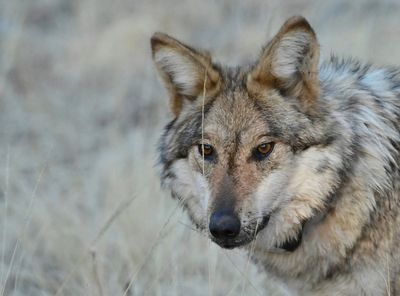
(302, 160)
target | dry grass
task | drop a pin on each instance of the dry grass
(81, 113)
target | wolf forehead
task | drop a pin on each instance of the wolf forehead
(234, 111)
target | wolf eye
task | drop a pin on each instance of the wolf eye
(263, 150)
(205, 149)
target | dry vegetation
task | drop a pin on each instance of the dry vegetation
(81, 211)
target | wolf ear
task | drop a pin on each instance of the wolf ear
(289, 62)
(184, 70)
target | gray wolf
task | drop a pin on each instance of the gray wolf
(291, 157)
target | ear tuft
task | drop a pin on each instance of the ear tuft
(290, 61)
(184, 70)
(290, 54)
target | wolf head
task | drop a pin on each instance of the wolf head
(250, 149)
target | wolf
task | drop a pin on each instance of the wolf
(290, 157)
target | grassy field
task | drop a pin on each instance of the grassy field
(81, 209)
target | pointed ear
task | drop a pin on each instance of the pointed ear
(289, 62)
(184, 70)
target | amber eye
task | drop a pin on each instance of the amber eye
(263, 150)
(208, 150)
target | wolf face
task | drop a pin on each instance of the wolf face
(250, 149)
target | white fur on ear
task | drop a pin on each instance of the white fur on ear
(290, 53)
(182, 70)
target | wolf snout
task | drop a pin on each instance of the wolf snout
(224, 225)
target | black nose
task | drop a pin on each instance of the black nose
(224, 225)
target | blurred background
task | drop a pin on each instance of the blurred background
(81, 209)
